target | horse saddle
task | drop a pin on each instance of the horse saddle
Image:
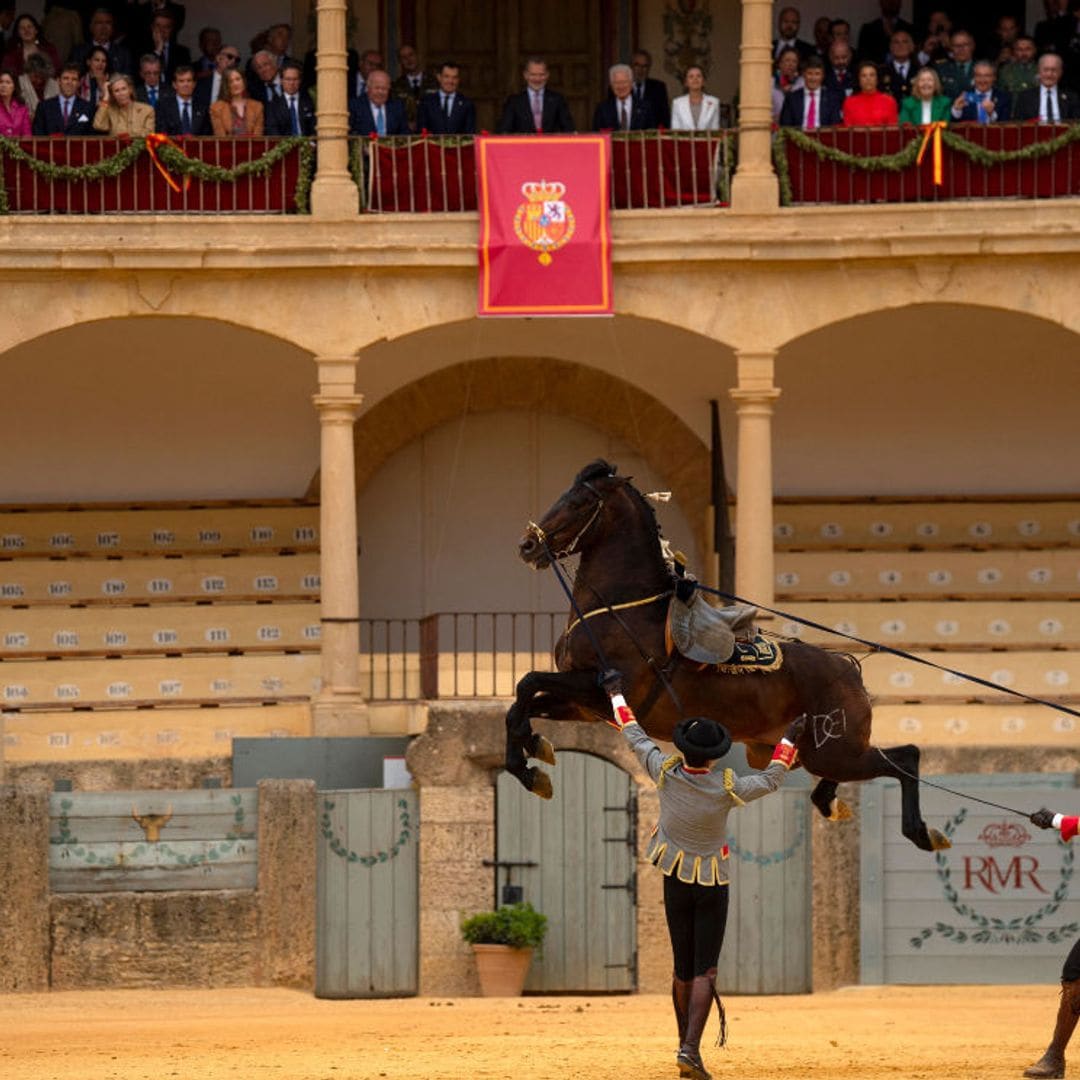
(707, 634)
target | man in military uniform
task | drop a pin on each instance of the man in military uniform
(413, 83)
(956, 74)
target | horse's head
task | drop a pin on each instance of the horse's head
(566, 527)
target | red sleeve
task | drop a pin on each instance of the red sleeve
(892, 115)
(1070, 826)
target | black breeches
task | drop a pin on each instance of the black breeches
(1071, 970)
(696, 918)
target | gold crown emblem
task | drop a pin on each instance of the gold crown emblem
(1005, 834)
(543, 190)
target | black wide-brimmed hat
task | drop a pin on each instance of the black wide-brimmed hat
(702, 738)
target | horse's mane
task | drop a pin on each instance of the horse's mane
(599, 468)
(594, 471)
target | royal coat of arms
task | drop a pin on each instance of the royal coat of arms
(544, 222)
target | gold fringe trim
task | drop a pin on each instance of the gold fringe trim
(751, 669)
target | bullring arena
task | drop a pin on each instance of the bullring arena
(265, 476)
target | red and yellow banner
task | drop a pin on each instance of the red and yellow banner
(545, 225)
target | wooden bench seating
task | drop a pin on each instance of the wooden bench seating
(914, 575)
(968, 724)
(27, 684)
(153, 580)
(158, 628)
(950, 624)
(926, 524)
(154, 531)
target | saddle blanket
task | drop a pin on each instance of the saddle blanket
(759, 655)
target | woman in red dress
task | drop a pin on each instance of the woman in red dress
(870, 107)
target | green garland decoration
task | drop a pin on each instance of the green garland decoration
(905, 158)
(356, 169)
(339, 849)
(174, 159)
(1019, 930)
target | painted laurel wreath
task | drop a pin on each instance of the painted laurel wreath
(1019, 930)
(372, 859)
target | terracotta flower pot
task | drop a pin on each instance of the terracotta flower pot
(502, 969)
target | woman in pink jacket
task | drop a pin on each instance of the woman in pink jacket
(14, 115)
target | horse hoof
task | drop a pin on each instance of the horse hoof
(541, 784)
(938, 841)
(840, 811)
(542, 750)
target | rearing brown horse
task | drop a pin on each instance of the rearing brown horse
(609, 522)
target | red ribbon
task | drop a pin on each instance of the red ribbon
(152, 143)
(933, 135)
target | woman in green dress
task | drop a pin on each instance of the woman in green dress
(926, 103)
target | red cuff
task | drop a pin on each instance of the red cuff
(786, 754)
(1070, 826)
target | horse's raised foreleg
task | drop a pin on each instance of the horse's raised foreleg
(904, 766)
(824, 798)
(554, 695)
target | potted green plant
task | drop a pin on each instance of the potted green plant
(503, 942)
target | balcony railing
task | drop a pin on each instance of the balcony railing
(455, 655)
(880, 165)
(649, 169)
(135, 176)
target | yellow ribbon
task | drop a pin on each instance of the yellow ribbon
(934, 131)
(152, 143)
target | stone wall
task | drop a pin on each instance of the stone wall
(149, 774)
(24, 895)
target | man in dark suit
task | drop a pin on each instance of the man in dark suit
(984, 103)
(445, 111)
(264, 79)
(179, 113)
(621, 111)
(876, 36)
(536, 110)
(838, 73)
(140, 25)
(208, 89)
(899, 68)
(652, 91)
(787, 35)
(293, 112)
(1047, 102)
(66, 114)
(828, 104)
(148, 88)
(101, 36)
(163, 45)
(376, 112)
(413, 84)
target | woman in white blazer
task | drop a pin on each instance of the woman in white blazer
(695, 110)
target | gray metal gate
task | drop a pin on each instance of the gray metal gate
(575, 859)
(367, 894)
(998, 907)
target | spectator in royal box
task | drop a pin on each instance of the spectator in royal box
(926, 104)
(62, 26)
(293, 113)
(95, 77)
(838, 74)
(695, 110)
(787, 35)
(956, 73)
(264, 83)
(101, 37)
(1006, 31)
(164, 46)
(377, 113)
(412, 84)
(1021, 72)
(984, 103)
(120, 114)
(652, 91)
(899, 67)
(38, 83)
(445, 111)
(209, 47)
(149, 89)
(822, 34)
(67, 113)
(536, 110)
(1050, 30)
(140, 25)
(235, 113)
(14, 115)
(179, 113)
(370, 60)
(814, 105)
(786, 75)
(937, 41)
(839, 30)
(28, 41)
(208, 90)
(869, 107)
(278, 43)
(620, 111)
(875, 36)
(1048, 102)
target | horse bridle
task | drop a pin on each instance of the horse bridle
(569, 550)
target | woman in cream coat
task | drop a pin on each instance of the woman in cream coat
(118, 113)
(695, 110)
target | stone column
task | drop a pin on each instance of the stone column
(339, 708)
(333, 193)
(24, 896)
(754, 188)
(754, 397)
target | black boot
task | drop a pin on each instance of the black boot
(701, 999)
(1052, 1064)
(680, 998)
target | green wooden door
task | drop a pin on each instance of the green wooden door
(367, 894)
(583, 847)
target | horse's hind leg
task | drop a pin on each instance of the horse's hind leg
(904, 762)
(824, 798)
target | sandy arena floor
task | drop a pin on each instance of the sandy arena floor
(950, 1033)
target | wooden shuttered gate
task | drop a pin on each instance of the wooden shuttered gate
(579, 853)
(367, 894)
